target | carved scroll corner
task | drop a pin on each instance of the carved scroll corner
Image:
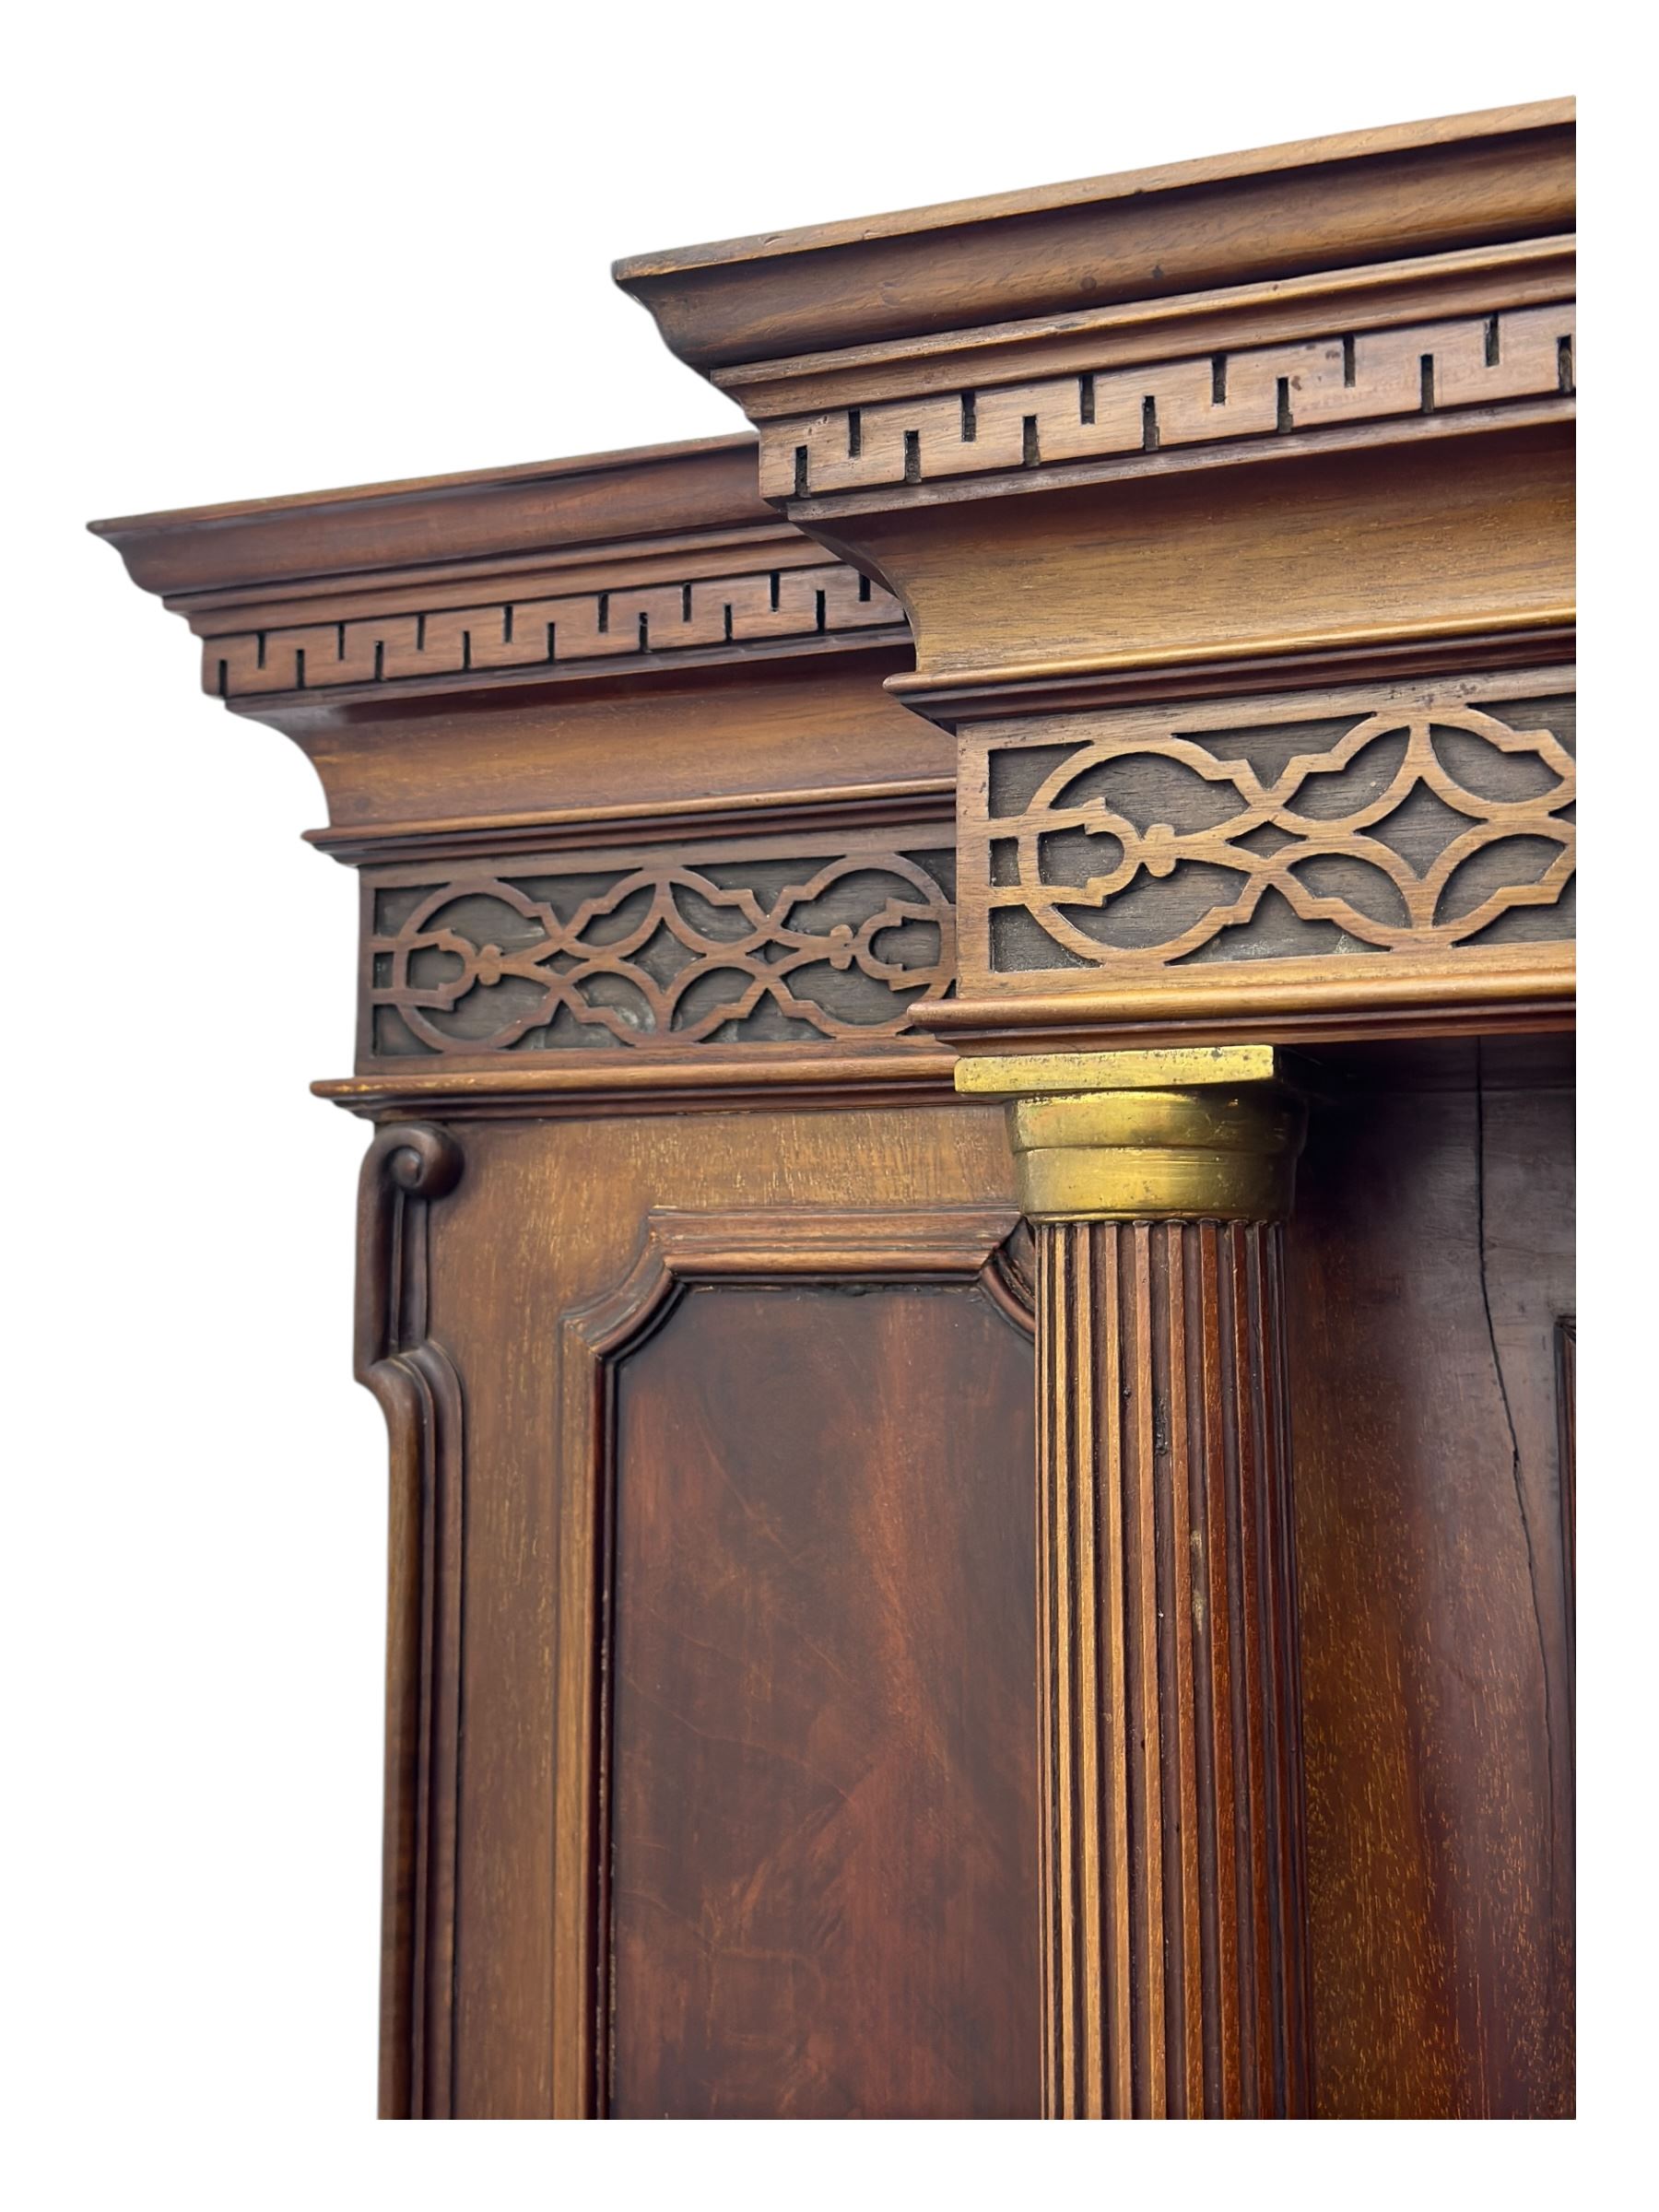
(413, 1380)
(422, 1160)
(1010, 1277)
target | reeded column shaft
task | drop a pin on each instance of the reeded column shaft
(1173, 1881)
(1172, 1893)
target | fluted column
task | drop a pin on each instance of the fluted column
(1173, 1952)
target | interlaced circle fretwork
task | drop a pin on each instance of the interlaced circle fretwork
(668, 955)
(1283, 826)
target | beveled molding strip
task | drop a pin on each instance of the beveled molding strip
(1259, 393)
(712, 1079)
(1435, 288)
(1419, 190)
(908, 804)
(1388, 653)
(780, 603)
(1526, 992)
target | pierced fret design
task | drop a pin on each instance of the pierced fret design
(724, 946)
(1140, 842)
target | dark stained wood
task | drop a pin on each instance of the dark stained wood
(750, 940)
(1567, 1451)
(829, 1245)
(824, 1821)
(1276, 410)
(712, 1728)
(1429, 1259)
(409, 1168)
(518, 1246)
(1071, 827)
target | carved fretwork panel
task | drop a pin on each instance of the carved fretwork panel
(1432, 822)
(739, 943)
(1257, 393)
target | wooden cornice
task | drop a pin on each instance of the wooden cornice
(422, 521)
(544, 573)
(1351, 335)
(1223, 318)
(608, 740)
(1158, 465)
(1281, 212)
(1268, 451)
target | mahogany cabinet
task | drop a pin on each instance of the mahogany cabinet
(965, 1014)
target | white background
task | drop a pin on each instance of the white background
(264, 250)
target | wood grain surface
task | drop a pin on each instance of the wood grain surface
(409, 1168)
(1277, 554)
(1433, 1606)
(650, 745)
(522, 1242)
(713, 1736)
(1174, 1958)
(1369, 196)
(1429, 1260)
(824, 1819)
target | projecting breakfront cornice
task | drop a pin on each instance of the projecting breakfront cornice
(1136, 644)
(1214, 521)
(535, 572)
(1276, 213)
(1230, 506)
(637, 823)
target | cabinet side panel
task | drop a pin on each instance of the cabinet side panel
(549, 1218)
(823, 1820)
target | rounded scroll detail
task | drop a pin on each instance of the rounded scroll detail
(423, 1160)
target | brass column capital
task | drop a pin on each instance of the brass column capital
(1206, 1133)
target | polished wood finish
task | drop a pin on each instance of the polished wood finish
(1319, 552)
(451, 655)
(859, 1758)
(877, 1210)
(410, 1166)
(1169, 581)
(1328, 202)
(1309, 802)
(1289, 397)
(1365, 459)
(1429, 1258)
(1174, 1879)
(1376, 296)
(788, 1470)
(786, 732)
(850, 939)
(440, 524)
